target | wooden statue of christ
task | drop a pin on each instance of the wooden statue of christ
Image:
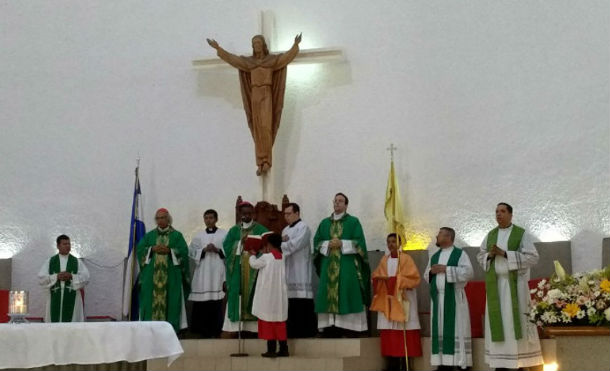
(262, 77)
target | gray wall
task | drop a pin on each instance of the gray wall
(5, 274)
(606, 252)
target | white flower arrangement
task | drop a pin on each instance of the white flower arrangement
(581, 299)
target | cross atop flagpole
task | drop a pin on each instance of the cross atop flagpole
(392, 148)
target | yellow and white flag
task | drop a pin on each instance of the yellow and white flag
(394, 214)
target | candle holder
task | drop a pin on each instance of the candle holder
(18, 306)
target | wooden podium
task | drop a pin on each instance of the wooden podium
(266, 214)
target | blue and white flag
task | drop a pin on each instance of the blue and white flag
(131, 287)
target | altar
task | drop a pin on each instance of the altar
(86, 343)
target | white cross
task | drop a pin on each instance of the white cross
(266, 22)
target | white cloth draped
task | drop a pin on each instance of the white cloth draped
(209, 272)
(297, 254)
(79, 280)
(512, 353)
(41, 344)
(459, 276)
(270, 301)
(352, 321)
(230, 326)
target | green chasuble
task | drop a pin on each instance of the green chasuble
(240, 277)
(344, 279)
(491, 287)
(163, 285)
(448, 340)
(62, 308)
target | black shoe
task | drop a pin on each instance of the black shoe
(332, 332)
(283, 349)
(270, 353)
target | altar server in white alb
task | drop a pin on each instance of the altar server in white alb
(448, 271)
(270, 303)
(208, 278)
(506, 255)
(63, 275)
(296, 250)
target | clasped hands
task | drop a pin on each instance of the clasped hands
(161, 249)
(335, 244)
(64, 276)
(210, 248)
(438, 268)
(496, 251)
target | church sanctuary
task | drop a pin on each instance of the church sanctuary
(391, 185)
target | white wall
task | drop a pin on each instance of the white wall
(487, 101)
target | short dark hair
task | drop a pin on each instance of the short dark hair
(62, 237)
(344, 196)
(396, 236)
(451, 232)
(508, 207)
(295, 207)
(211, 211)
(275, 239)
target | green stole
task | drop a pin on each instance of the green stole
(448, 306)
(65, 307)
(491, 287)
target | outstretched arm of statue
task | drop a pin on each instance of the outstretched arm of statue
(288, 56)
(232, 59)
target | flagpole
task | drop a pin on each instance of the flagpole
(393, 221)
(132, 266)
(134, 255)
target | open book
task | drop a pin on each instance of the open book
(256, 242)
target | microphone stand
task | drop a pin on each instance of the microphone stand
(240, 342)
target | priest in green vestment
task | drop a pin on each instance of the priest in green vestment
(448, 271)
(341, 262)
(240, 277)
(164, 271)
(506, 255)
(64, 276)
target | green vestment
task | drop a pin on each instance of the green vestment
(62, 307)
(344, 278)
(164, 285)
(240, 277)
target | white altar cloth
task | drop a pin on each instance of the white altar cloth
(39, 344)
